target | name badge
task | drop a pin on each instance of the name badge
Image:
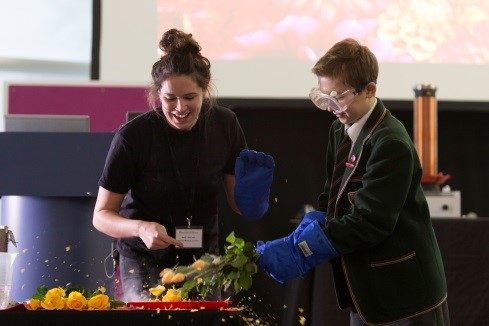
(190, 236)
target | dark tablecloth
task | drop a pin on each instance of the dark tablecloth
(121, 317)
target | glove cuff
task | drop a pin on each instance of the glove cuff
(314, 216)
(315, 245)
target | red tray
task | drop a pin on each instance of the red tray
(201, 305)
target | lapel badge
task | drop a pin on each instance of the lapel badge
(352, 160)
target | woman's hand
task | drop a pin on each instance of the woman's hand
(155, 237)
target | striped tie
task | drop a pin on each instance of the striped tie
(341, 158)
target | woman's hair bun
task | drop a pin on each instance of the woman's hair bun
(175, 41)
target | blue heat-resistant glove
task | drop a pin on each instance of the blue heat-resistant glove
(307, 219)
(254, 175)
(284, 259)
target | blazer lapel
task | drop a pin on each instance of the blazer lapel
(368, 129)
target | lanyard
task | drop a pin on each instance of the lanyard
(198, 142)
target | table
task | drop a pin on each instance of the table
(464, 245)
(121, 317)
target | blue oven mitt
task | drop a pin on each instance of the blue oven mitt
(284, 259)
(254, 175)
(307, 219)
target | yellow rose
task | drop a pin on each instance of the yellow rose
(57, 292)
(172, 295)
(76, 301)
(157, 291)
(199, 264)
(163, 272)
(177, 278)
(53, 301)
(99, 302)
(167, 277)
(34, 304)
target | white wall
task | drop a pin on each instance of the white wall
(48, 40)
(128, 41)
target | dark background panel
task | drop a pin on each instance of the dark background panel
(296, 133)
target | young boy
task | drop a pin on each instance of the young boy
(372, 222)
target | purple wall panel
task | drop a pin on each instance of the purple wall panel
(106, 105)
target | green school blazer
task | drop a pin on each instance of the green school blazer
(390, 267)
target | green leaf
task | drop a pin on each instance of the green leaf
(251, 267)
(245, 281)
(117, 304)
(231, 238)
(239, 261)
(233, 275)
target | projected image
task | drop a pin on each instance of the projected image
(398, 31)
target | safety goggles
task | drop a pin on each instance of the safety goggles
(333, 102)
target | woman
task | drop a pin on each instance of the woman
(159, 187)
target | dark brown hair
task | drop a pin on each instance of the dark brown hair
(181, 56)
(349, 62)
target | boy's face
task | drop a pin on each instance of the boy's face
(357, 105)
